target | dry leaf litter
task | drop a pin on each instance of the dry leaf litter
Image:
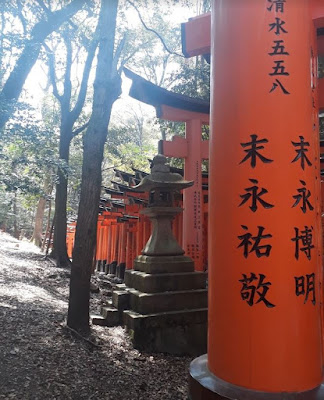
(41, 359)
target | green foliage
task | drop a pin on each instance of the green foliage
(29, 144)
(27, 154)
(26, 150)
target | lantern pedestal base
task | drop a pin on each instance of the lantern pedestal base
(206, 386)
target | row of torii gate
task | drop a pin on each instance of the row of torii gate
(265, 268)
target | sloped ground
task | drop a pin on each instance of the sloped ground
(41, 359)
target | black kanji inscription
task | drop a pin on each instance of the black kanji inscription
(252, 244)
(278, 49)
(278, 26)
(279, 69)
(303, 196)
(306, 287)
(279, 5)
(253, 287)
(277, 84)
(253, 194)
(303, 241)
(251, 149)
(301, 150)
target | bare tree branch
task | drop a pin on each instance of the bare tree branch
(21, 17)
(154, 31)
(44, 8)
(13, 86)
(67, 76)
(80, 129)
(52, 74)
(85, 77)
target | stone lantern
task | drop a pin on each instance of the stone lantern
(165, 300)
(162, 186)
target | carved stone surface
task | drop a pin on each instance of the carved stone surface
(167, 299)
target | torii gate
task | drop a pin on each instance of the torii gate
(265, 302)
(195, 113)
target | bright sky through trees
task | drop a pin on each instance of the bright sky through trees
(37, 79)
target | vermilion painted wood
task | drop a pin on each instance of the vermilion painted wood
(270, 349)
(196, 36)
(196, 32)
(193, 149)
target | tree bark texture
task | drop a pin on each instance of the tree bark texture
(15, 212)
(38, 227)
(15, 82)
(59, 245)
(107, 87)
(48, 225)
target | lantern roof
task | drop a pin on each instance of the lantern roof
(162, 177)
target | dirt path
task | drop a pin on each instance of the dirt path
(41, 360)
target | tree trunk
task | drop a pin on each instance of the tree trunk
(48, 224)
(59, 246)
(68, 118)
(15, 212)
(107, 87)
(38, 227)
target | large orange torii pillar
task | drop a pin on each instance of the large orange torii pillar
(265, 269)
(195, 113)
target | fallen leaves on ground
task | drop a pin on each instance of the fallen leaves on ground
(41, 359)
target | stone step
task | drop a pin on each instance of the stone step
(163, 264)
(154, 283)
(148, 303)
(112, 316)
(98, 320)
(177, 332)
(120, 299)
(120, 286)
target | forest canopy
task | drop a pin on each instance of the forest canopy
(48, 56)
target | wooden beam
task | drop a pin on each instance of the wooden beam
(196, 36)
(176, 114)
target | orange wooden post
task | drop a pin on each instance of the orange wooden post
(120, 240)
(105, 243)
(123, 241)
(134, 241)
(113, 242)
(99, 242)
(109, 243)
(128, 247)
(70, 235)
(193, 150)
(122, 250)
(116, 249)
(264, 295)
